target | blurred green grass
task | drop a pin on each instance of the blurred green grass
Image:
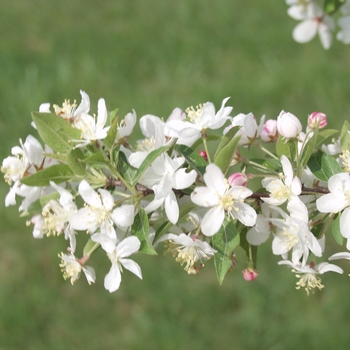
(153, 56)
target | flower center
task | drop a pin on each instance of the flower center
(147, 145)
(308, 281)
(279, 191)
(67, 110)
(194, 114)
(70, 267)
(345, 156)
(288, 237)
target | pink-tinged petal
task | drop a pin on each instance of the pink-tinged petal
(331, 203)
(345, 223)
(244, 213)
(181, 179)
(204, 197)
(123, 216)
(215, 179)
(305, 31)
(107, 243)
(171, 208)
(132, 266)
(113, 279)
(212, 221)
(128, 246)
(107, 199)
(90, 196)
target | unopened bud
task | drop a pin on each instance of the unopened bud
(269, 132)
(250, 274)
(238, 179)
(288, 125)
(203, 154)
(317, 119)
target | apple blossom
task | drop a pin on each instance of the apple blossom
(269, 132)
(308, 273)
(117, 254)
(317, 119)
(221, 198)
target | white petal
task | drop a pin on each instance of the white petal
(345, 223)
(326, 267)
(305, 31)
(128, 246)
(215, 179)
(171, 208)
(181, 179)
(107, 199)
(132, 266)
(84, 106)
(245, 214)
(90, 196)
(101, 113)
(204, 197)
(255, 237)
(107, 243)
(331, 203)
(342, 255)
(113, 279)
(212, 221)
(123, 216)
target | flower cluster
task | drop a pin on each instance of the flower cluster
(317, 20)
(202, 191)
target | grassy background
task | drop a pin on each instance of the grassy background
(153, 56)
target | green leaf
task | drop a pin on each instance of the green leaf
(74, 160)
(96, 158)
(140, 229)
(127, 171)
(147, 162)
(345, 137)
(316, 140)
(112, 132)
(55, 131)
(286, 147)
(224, 157)
(225, 241)
(57, 173)
(225, 139)
(331, 6)
(323, 166)
(271, 163)
(336, 231)
(192, 158)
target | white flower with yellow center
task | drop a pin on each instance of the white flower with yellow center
(307, 274)
(117, 254)
(92, 128)
(223, 200)
(284, 188)
(71, 268)
(201, 118)
(98, 212)
(337, 200)
(188, 250)
(292, 233)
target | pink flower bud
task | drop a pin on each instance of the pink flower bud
(288, 125)
(250, 274)
(238, 179)
(317, 119)
(203, 154)
(269, 132)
